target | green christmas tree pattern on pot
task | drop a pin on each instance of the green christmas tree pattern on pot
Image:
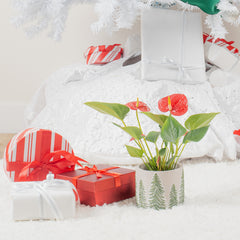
(157, 200)
(173, 197)
(182, 193)
(142, 203)
(160, 189)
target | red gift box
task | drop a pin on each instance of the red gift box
(31, 146)
(103, 54)
(102, 184)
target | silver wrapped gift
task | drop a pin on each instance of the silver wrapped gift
(172, 46)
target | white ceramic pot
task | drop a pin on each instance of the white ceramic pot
(159, 189)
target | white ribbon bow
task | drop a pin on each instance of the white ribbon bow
(183, 71)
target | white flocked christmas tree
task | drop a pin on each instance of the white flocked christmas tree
(37, 15)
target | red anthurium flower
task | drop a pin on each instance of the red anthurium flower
(137, 105)
(177, 104)
(237, 132)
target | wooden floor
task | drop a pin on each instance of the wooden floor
(4, 139)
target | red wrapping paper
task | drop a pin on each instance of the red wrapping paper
(208, 39)
(94, 191)
(32, 145)
(103, 54)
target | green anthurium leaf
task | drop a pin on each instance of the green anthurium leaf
(135, 132)
(199, 120)
(162, 151)
(134, 152)
(152, 136)
(160, 119)
(195, 135)
(114, 109)
(172, 130)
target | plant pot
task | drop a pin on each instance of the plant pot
(159, 189)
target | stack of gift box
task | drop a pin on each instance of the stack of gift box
(49, 181)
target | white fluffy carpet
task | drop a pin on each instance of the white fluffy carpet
(211, 211)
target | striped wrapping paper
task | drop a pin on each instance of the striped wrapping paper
(103, 54)
(30, 145)
(208, 40)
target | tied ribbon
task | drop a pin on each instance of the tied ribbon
(51, 162)
(183, 71)
(99, 173)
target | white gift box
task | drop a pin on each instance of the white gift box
(172, 46)
(224, 59)
(46, 200)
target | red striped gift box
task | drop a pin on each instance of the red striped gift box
(208, 39)
(32, 145)
(103, 54)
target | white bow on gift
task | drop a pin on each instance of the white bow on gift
(42, 188)
(183, 71)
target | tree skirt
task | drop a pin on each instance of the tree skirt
(211, 211)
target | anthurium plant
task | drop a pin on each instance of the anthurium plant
(169, 142)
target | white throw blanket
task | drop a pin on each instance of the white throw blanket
(59, 105)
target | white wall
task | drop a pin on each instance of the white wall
(25, 63)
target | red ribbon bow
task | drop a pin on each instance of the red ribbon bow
(99, 173)
(52, 162)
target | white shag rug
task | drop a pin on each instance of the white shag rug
(211, 211)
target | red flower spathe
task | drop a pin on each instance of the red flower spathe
(138, 106)
(178, 104)
(237, 132)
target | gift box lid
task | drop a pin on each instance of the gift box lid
(30, 145)
(92, 183)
